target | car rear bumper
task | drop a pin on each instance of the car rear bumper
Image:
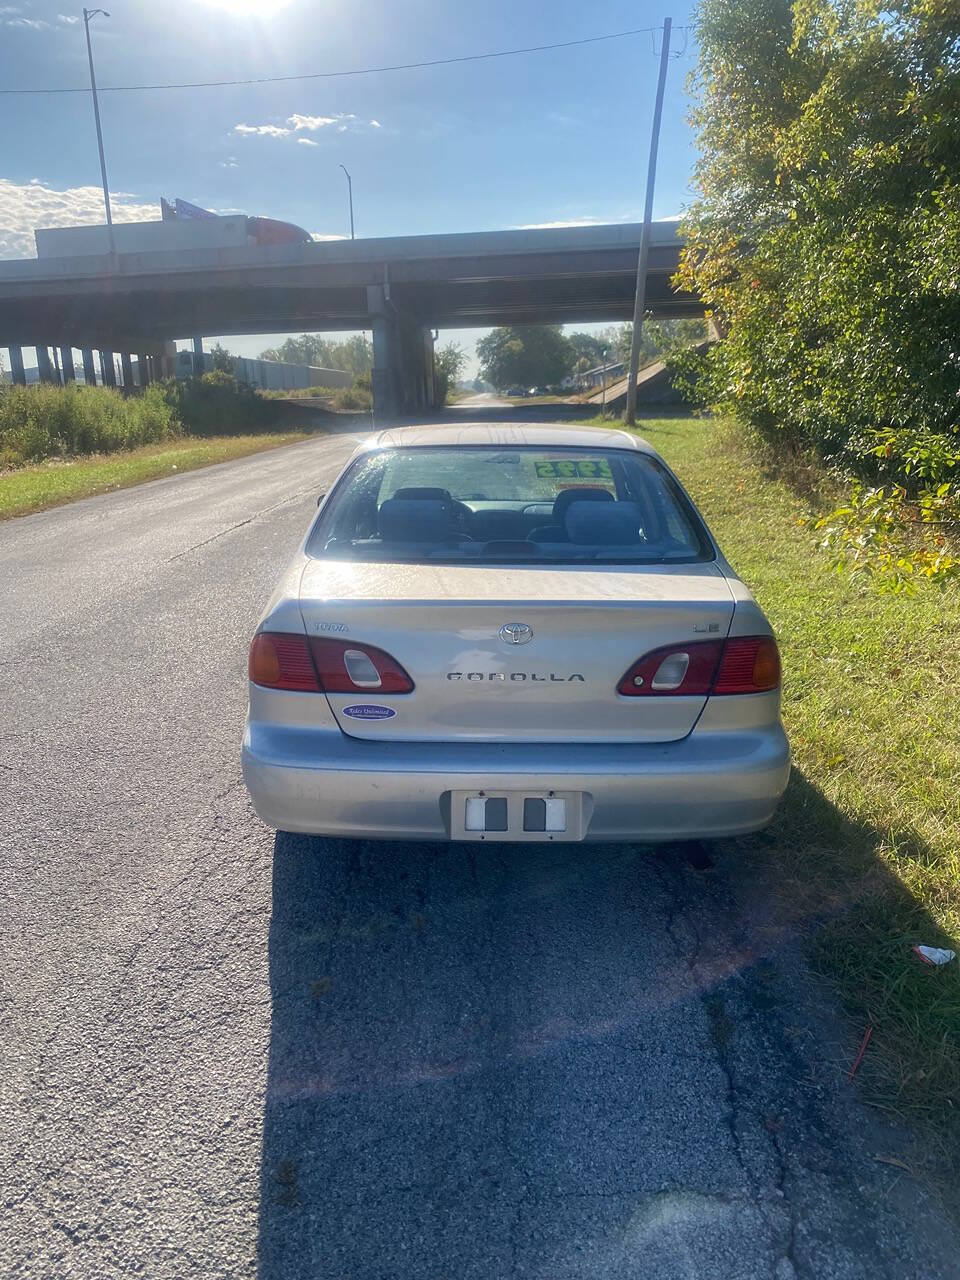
(708, 785)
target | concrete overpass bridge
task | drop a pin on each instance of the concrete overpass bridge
(402, 288)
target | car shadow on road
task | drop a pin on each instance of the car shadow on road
(486, 1057)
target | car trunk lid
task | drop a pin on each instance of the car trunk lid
(553, 679)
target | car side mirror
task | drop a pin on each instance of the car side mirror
(320, 498)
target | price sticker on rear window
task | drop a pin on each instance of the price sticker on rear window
(575, 469)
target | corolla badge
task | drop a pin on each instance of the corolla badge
(516, 633)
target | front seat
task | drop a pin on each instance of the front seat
(415, 520)
(557, 532)
(609, 526)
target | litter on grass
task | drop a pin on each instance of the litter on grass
(935, 955)
(859, 1058)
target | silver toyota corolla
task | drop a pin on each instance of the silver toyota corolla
(513, 633)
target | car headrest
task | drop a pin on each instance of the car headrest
(410, 520)
(566, 496)
(613, 525)
(423, 493)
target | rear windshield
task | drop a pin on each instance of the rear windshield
(518, 505)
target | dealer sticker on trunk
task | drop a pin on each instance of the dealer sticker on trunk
(368, 711)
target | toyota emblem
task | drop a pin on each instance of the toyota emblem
(516, 633)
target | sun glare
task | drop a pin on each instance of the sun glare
(249, 8)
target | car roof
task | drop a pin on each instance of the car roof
(509, 435)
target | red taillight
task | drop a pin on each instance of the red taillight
(744, 664)
(751, 664)
(344, 667)
(702, 658)
(282, 661)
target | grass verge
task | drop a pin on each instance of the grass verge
(864, 855)
(49, 484)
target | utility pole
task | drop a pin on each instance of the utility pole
(87, 15)
(639, 300)
(350, 194)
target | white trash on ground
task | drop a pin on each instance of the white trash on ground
(935, 955)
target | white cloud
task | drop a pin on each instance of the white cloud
(231, 162)
(25, 206)
(306, 124)
(67, 19)
(262, 130)
(323, 235)
(34, 24)
(313, 123)
(307, 142)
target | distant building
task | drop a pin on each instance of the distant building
(271, 375)
(601, 374)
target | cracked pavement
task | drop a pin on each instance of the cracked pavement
(229, 1056)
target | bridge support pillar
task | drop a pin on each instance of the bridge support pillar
(107, 372)
(66, 364)
(143, 370)
(126, 368)
(17, 371)
(403, 363)
(167, 360)
(198, 360)
(89, 368)
(44, 367)
(385, 399)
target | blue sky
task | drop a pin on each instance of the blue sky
(557, 136)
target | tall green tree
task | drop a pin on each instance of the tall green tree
(658, 337)
(223, 361)
(525, 355)
(587, 347)
(826, 235)
(449, 363)
(353, 354)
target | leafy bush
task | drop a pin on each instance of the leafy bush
(355, 397)
(46, 421)
(216, 404)
(826, 239)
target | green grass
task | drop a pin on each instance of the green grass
(864, 856)
(51, 483)
(317, 392)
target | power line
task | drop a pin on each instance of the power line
(360, 71)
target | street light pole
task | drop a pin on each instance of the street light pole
(630, 415)
(603, 384)
(87, 15)
(350, 194)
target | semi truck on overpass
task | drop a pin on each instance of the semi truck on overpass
(181, 227)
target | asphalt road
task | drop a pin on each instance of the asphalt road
(226, 1056)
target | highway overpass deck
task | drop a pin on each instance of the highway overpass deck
(400, 287)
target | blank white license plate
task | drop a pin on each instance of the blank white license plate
(516, 815)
